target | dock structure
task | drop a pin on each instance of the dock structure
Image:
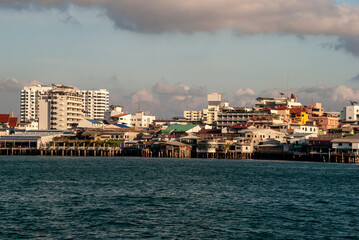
(336, 150)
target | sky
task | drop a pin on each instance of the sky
(164, 56)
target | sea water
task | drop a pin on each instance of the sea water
(157, 198)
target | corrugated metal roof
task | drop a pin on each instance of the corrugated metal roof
(93, 121)
(178, 128)
(121, 125)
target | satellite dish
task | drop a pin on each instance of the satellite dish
(353, 103)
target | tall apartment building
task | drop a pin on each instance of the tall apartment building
(29, 102)
(60, 108)
(96, 103)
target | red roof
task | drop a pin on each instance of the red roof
(241, 126)
(298, 110)
(13, 122)
(4, 118)
(210, 131)
(266, 108)
(282, 108)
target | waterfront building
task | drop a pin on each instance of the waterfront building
(61, 108)
(96, 103)
(29, 101)
(210, 114)
(29, 139)
(350, 114)
(179, 130)
(241, 116)
(346, 144)
(141, 120)
(42, 100)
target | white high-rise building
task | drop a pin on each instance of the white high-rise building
(96, 103)
(29, 102)
(60, 108)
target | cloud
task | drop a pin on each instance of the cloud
(299, 17)
(243, 97)
(164, 100)
(334, 98)
(348, 44)
(10, 94)
(9, 84)
(355, 79)
(167, 100)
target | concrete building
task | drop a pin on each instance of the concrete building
(96, 103)
(235, 116)
(315, 110)
(326, 121)
(141, 120)
(113, 111)
(193, 115)
(31, 139)
(29, 101)
(90, 123)
(61, 108)
(43, 100)
(255, 136)
(350, 114)
(272, 103)
(124, 119)
(346, 144)
(210, 114)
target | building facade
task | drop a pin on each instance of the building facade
(141, 120)
(96, 103)
(61, 108)
(29, 102)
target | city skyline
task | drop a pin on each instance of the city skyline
(161, 61)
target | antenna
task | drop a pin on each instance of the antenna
(287, 86)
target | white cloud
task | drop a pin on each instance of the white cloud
(312, 17)
(164, 99)
(10, 84)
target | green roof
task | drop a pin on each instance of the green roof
(178, 128)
